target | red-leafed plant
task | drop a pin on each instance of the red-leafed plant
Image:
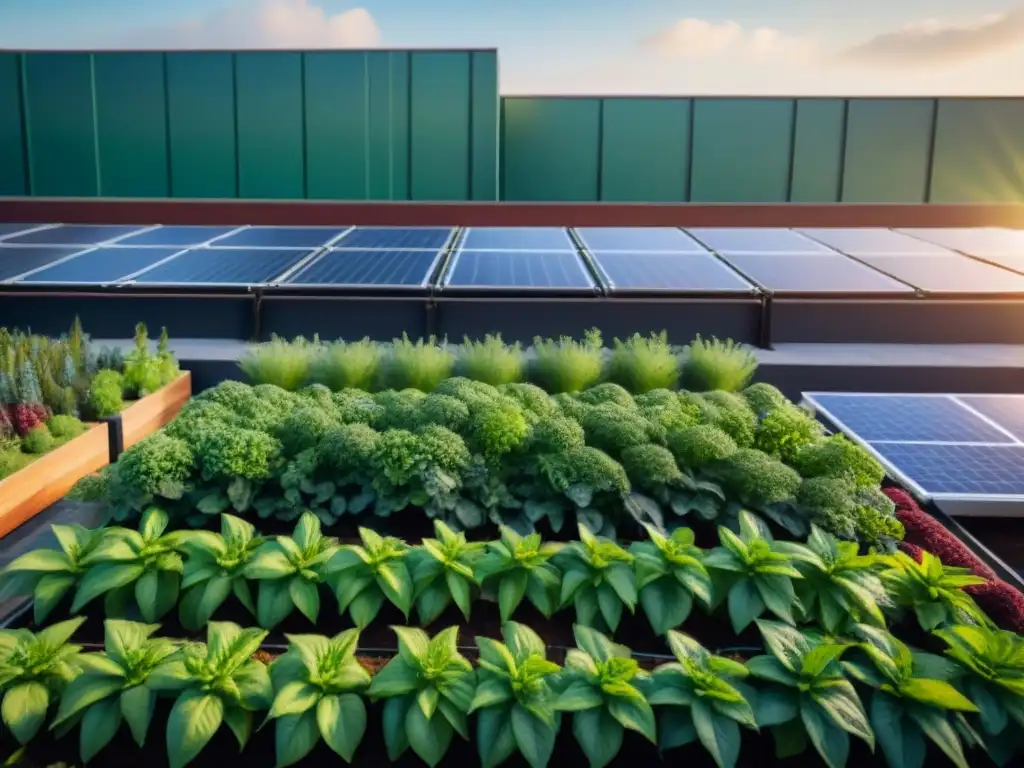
(24, 417)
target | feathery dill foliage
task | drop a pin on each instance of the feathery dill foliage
(568, 365)
(717, 365)
(641, 364)
(346, 365)
(418, 365)
(491, 360)
(280, 362)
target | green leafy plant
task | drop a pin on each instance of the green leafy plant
(290, 571)
(34, 670)
(143, 566)
(520, 567)
(215, 570)
(809, 696)
(364, 576)
(216, 682)
(755, 572)
(932, 590)
(112, 687)
(641, 364)
(598, 580)
(841, 585)
(106, 394)
(600, 686)
(568, 365)
(421, 365)
(669, 574)
(442, 572)
(279, 362)
(913, 699)
(48, 575)
(37, 441)
(700, 698)
(317, 686)
(428, 690)
(514, 703)
(717, 365)
(492, 361)
(346, 365)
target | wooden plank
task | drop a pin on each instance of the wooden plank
(144, 417)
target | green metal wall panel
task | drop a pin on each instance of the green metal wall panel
(131, 124)
(201, 120)
(979, 151)
(61, 122)
(271, 153)
(337, 135)
(13, 177)
(645, 149)
(439, 130)
(551, 149)
(741, 150)
(888, 150)
(818, 150)
(381, 150)
(486, 107)
(401, 99)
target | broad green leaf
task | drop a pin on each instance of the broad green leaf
(432, 602)
(101, 579)
(413, 645)
(832, 742)
(269, 562)
(427, 700)
(171, 676)
(635, 715)
(777, 593)
(993, 715)
(494, 736)
(719, 735)
(623, 581)
(239, 722)
(99, 724)
(153, 524)
(937, 727)
(774, 706)
(840, 702)
(309, 649)
(49, 592)
(137, 705)
(599, 647)
(305, 596)
(573, 578)
(365, 606)
(342, 722)
(194, 719)
(24, 709)
(936, 693)
(396, 583)
(85, 691)
(396, 678)
(536, 739)
(295, 698)
(459, 588)
(788, 644)
(212, 596)
(254, 686)
(902, 743)
(490, 691)
(428, 738)
(459, 691)
(818, 658)
(511, 589)
(40, 560)
(395, 738)
(675, 728)
(295, 736)
(745, 605)
(273, 603)
(121, 638)
(580, 695)
(666, 604)
(609, 605)
(146, 595)
(598, 734)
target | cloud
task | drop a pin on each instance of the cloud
(931, 43)
(266, 24)
(697, 38)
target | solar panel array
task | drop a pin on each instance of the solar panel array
(943, 447)
(613, 260)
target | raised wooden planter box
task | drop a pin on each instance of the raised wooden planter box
(46, 480)
(144, 417)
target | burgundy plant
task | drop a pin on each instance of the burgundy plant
(25, 418)
(1001, 603)
(911, 549)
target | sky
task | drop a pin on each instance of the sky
(677, 47)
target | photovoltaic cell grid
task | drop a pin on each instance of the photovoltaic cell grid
(223, 267)
(945, 447)
(100, 266)
(517, 239)
(15, 261)
(813, 274)
(280, 237)
(74, 234)
(367, 267)
(518, 269)
(983, 242)
(873, 242)
(395, 238)
(8, 229)
(177, 236)
(668, 272)
(730, 240)
(638, 240)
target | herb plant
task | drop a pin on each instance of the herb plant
(216, 682)
(600, 686)
(669, 574)
(346, 365)
(317, 686)
(278, 362)
(442, 572)
(641, 364)
(598, 580)
(514, 703)
(717, 365)
(568, 365)
(364, 576)
(520, 567)
(112, 687)
(421, 365)
(290, 570)
(429, 689)
(701, 699)
(809, 696)
(34, 669)
(932, 590)
(492, 361)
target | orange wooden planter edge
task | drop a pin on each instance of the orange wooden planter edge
(48, 479)
(144, 417)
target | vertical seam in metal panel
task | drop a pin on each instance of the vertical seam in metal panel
(305, 143)
(234, 111)
(366, 125)
(933, 130)
(408, 126)
(26, 139)
(472, 134)
(167, 123)
(391, 125)
(95, 124)
(792, 151)
(502, 191)
(844, 134)
(600, 149)
(690, 140)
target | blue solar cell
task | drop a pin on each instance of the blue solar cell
(1005, 410)
(949, 274)
(280, 237)
(182, 237)
(908, 418)
(983, 242)
(517, 239)
(975, 470)
(16, 261)
(813, 274)
(223, 266)
(872, 242)
(638, 239)
(426, 238)
(13, 229)
(668, 271)
(518, 269)
(367, 268)
(103, 265)
(757, 240)
(74, 234)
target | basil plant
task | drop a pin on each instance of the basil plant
(597, 578)
(520, 567)
(442, 573)
(933, 591)
(363, 577)
(670, 574)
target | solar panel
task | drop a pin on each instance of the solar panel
(13, 229)
(223, 266)
(873, 242)
(392, 238)
(518, 269)
(1005, 410)
(517, 239)
(949, 274)
(668, 272)
(280, 237)
(177, 236)
(103, 265)
(976, 241)
(74, 234)
(757, 240)
(811, 274)
(16, 261)
(638, 239)
(379, 268)
(1015, 263)
(959, 470)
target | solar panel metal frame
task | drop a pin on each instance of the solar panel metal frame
(453, 234)
(445, 286)
(93, 244)
(280, 285)
(29, 228)
(83, 249)
(609, 286)
(201, 244)
(176, 251)
(811, 398)
(945, 294)
(130, 282)
(214, 242)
